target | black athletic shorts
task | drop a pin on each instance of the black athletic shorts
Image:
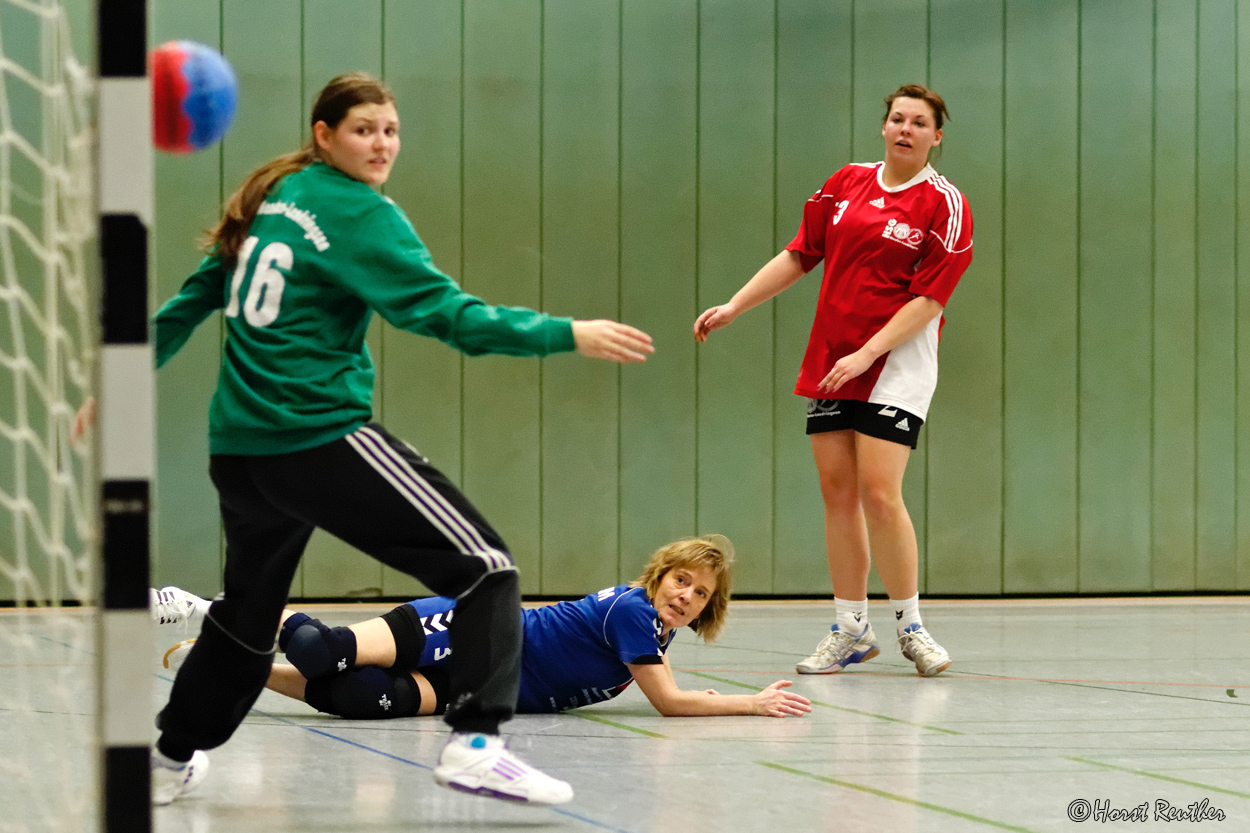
(885, 422)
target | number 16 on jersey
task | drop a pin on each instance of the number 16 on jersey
(264, 291)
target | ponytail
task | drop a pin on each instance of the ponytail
(226, 238)
(333, 102)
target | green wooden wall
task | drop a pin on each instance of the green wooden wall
(639, 159)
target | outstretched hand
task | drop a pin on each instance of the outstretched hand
(713, 319)
(774, 701)
(611, 340)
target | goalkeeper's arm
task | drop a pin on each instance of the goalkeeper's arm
(201, 294)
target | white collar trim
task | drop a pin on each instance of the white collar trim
(926, 173)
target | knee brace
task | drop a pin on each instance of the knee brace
(319, 651)
(289, 627)
(368, 693)
(409, 635)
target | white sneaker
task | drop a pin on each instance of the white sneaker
(838, 650)
(177, 655)
(169, 782)
(481, 764)
(931, 658)
(173, 606)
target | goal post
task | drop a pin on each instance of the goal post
(127, 421)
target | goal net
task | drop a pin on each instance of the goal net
(48, 487)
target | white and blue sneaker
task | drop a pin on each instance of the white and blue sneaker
(840, 649)
(930, 658)
(171, 779)
(482, 765)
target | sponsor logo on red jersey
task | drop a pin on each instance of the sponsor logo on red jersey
(903, 233)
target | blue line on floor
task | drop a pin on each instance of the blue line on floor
(323, 733)
(402, 760)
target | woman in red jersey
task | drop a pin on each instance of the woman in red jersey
(895, 237)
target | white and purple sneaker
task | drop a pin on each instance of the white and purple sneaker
(482, 765)
(175, 606)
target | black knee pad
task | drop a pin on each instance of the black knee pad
(289, 627)
(319, 651)
(409, 636)
(368, 693)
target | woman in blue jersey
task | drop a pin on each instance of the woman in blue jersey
(574, 653)
(305, 252)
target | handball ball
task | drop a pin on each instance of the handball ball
(194, 93)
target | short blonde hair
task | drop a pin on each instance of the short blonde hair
(714, 553)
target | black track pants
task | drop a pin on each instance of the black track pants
(378, 494)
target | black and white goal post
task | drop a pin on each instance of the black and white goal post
(126, 417)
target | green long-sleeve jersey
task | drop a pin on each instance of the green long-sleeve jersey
(324, 251)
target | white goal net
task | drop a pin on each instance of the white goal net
(48, 488)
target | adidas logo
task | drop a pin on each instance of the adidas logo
(902, 425)
(879, 202)
(385, 703)
(888, 411)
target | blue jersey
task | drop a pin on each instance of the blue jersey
(575, 653)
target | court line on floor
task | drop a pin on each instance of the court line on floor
(893, 797)
(981, 676)
(613, 723)
(1155, 775)
(832, 706)
(419, 765)
(289, 722)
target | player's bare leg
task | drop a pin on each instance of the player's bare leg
(881, 465)
(851, 639)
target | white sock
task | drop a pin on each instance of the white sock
(165, 761)
(852, 617)
(906, 613)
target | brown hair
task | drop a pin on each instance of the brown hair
(715, 553)
(333, 102)
(920, 91)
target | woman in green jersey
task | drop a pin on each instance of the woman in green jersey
(304, 254)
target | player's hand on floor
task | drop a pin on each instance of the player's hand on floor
(775, 701)
(611, 340)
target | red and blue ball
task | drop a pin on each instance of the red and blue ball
(194, 95)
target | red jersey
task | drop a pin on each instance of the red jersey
(882, 247)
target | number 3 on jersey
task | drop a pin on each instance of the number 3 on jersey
(264, 293)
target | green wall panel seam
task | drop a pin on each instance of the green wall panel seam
(1197, 275)
(698, 180)
(773, 304)
(542, 240)
(620, 273)
(1154, 273)
(1080, 80)
(462, 231)
(1003, 309)
(1236, 288)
